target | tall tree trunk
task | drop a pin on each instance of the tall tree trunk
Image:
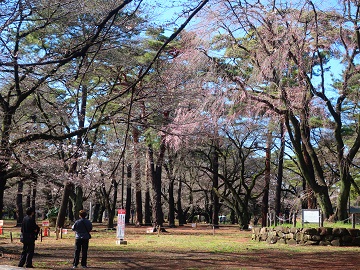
(138, 187)
(156, 180)
(244, 216)
(77, 201)
(67, 193)
(33, 196)
(279, 179)
(215, 186)
(68, 189)
(265, 198)
(111, 217)
(156, 171)
(304, 203)
(19, 203)
(122, 182)
(71, 211)
(147, 205)
(232, 216)
(343, 198)
(180, 212)
(5, 153)
(169, 168)
(28, 195)
(96, 213)
(78, 198)
(76, 192)
(311, 198)
(128, 195)
(157, 208)
(106, 200)
(2, 190)
(299, 136)
(171, 217)
(48, 200)
(112, 207)
(101, 213)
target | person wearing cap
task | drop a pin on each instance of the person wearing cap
(82, 228)
(29, 232)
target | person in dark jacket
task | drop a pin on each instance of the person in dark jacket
(82, 228)
(29, 231)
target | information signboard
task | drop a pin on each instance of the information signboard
(354, 210)
(311, 216)
(120, 230)
(45, 223)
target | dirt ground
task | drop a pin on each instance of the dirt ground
(60, 257)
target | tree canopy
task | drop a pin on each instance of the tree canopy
(218, 108)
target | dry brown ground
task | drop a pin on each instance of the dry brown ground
(60, 256)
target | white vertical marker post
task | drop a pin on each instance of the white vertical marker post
(120, 230)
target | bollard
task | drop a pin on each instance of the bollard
(1, 230)
(353, 220)
(11, 237)
(46, 231)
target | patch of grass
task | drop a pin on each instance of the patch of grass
(177, 245)
(224, 240)
(221, 242)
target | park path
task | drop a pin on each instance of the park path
(9, 267)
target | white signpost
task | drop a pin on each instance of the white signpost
(311, 216)
(45, 223)
(120, 230)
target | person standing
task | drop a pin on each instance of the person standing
(82, 228)
(29, 231)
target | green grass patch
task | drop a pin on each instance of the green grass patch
(201, 239)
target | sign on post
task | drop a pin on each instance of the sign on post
(45, 223)
(311, 216)
(354, 210)
(120, 230)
